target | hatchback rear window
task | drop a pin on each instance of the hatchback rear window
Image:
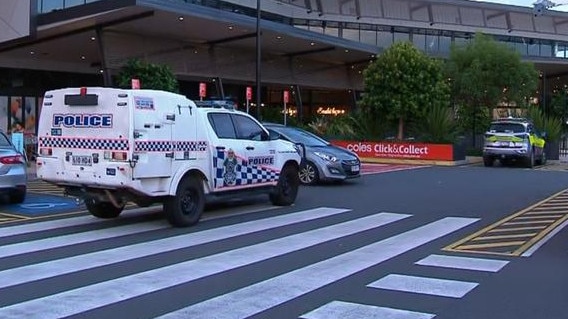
(4, 141)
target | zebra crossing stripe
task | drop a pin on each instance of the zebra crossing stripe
(423, 285)
(86, 298)
(60, 223)
(78, 238)
(28, 273)
(262, 296)
(467, 263)
(347, 310)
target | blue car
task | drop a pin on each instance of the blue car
(324, 162)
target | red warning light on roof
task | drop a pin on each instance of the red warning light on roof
(83, 91)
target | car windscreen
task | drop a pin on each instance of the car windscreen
(4, 141)
(507, 128)
(300, 136)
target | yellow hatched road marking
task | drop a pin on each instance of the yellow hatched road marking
(492, 245)
(497, 227)
(515, 229)
(539, 217)
(544, 212)
(540, 236)
(545, 221)
(503, 236)
(553, 206)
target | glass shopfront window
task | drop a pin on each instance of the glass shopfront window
(369, 36)
(384, 39)
(351, 34)
(534, 48)
(432, 43)
(546, 50)
(46, 6)
(401, 36)
(419, 40)
(445, 43)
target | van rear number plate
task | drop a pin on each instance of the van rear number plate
(82, 160)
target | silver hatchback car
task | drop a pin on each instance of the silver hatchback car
(13, 172)
(324, 162)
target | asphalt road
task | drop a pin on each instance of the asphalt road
(368, 248)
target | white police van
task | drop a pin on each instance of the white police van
(112, 146)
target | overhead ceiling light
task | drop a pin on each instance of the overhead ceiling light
(83, 57)
(93, 38)
(32, 52)
(279, 37)
(231, 27)
(313, 43)
(346, 50)
(180, 18)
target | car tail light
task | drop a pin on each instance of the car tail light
(12, 159)
(119, 156)
(45, 151)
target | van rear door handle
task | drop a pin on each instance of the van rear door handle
(220, 148)
(250, 148)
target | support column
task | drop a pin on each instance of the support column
(107, 78)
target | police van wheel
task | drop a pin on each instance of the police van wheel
(488, 161)
(103, 209)
(530, 160)
(185, 208)
(286, 190)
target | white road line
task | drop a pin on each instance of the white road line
(259, 297)
(61, 223)
(347, 310)
(546, 238)
(468, 263)
(423, 285)
(89, 297)
(78, 238)
(59, 267)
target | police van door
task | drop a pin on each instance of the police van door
(153, 147)
(260, 166)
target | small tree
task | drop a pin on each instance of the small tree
(151, 76)
(485, 73)
(400, 84)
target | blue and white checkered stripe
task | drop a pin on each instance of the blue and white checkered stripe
(153, 146)
(84, 143)
(191, 146)
(246, 175)
(169, 146)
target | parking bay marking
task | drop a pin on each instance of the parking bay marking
(519, 234)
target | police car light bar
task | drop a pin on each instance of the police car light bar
(230, 105)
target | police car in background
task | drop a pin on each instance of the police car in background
(514, 139)
(110, 146)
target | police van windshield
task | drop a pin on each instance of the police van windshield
(507, 128)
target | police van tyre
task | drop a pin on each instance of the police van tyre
(185, 208)
(488, 161)
(286, 189)
(104, 210)
(308, 174)
(542, 159)
(18, 197)
(530, 161)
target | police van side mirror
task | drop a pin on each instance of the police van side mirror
(273, 136)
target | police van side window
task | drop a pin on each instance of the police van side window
(247, 129)
(222, 125)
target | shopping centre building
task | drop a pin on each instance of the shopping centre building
(316, 49)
